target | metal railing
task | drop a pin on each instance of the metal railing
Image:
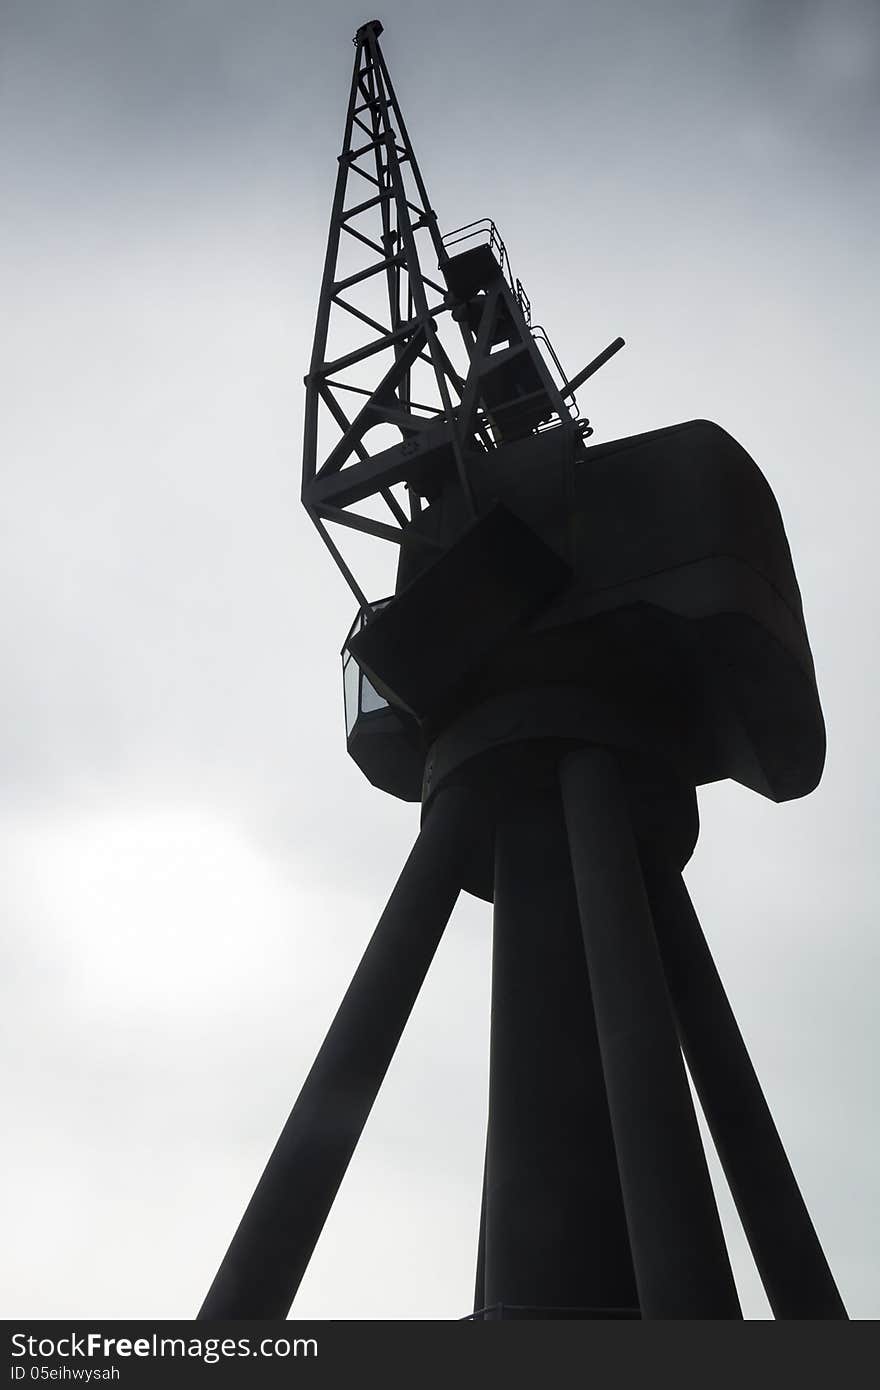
(484, 232)
(485, 228)
(540, 336)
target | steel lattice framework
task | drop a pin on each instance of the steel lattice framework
(392, 362)
(376, 153)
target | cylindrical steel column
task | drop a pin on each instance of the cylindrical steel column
(681, 1262)
(555, 1231)
(278, 1232)
(790, 1260)
(480, 1276)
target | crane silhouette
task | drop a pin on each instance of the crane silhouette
(579, 636)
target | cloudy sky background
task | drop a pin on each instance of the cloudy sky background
(192, 866)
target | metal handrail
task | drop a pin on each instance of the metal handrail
(486, 226)
(472, 229)
(524, 302)
(540, 335)
(540, 332)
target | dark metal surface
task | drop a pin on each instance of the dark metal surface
(681, 1262)
(480, 1274)
(682, 612)
(790, 1260)
(515, 1312)
(556, 1234)
(450, 620)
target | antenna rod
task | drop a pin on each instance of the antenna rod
(604, 356)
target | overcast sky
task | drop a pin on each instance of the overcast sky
(192, 864)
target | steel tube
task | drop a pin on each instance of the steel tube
(555, 1232)
(782, 1237)
(681, 1263)
(278, 1232)
(592, 367)
(480, 1275)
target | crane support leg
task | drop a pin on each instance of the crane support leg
(790, 1259)
(267, 1258)
(681, 1263)
(556, 1242)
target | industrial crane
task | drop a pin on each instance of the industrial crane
(578, 636)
